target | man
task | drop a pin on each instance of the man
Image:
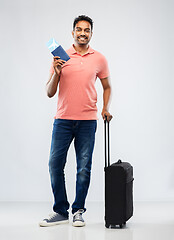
(75, 118)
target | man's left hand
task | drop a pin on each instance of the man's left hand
(106, 115)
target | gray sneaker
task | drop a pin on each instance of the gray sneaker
(53, 219)
(78, 220)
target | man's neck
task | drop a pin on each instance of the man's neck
(81, 49)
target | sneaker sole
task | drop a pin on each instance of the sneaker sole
(78, 224)
(45, 224)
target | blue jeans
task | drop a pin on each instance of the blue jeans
(83, 133)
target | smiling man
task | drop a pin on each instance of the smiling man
(76, 119)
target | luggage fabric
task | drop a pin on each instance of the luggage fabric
(118, 189)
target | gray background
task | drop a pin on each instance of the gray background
(136, 36)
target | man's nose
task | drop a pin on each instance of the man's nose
(83, 32)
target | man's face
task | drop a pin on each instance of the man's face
(82, 33)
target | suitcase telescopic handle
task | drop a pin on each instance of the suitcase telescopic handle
(107, 143)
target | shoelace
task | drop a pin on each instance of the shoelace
(52, 215)
(78, 215)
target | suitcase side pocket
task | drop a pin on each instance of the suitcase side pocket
(129, 199)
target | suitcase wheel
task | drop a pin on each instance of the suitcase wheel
(121, 225)
(107, 225)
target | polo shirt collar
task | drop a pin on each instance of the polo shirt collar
(73, 51)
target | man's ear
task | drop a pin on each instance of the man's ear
(73, 34)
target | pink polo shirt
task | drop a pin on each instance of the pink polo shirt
(77, 95)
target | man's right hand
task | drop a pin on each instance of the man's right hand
(57, 64)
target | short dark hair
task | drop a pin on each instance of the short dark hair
(82, 18)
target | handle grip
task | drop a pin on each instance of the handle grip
(107, 143)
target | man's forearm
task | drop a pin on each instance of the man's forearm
(106, 98)
(51, 86)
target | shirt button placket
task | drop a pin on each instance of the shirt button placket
(81, 61)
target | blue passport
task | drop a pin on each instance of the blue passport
(57, 50)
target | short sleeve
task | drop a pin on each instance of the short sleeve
(103, 67)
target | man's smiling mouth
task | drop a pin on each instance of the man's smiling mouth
(82, 38)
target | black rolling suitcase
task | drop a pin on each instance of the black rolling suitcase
(118, 189)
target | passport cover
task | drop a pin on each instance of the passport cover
(57, 50)
(60, 52)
